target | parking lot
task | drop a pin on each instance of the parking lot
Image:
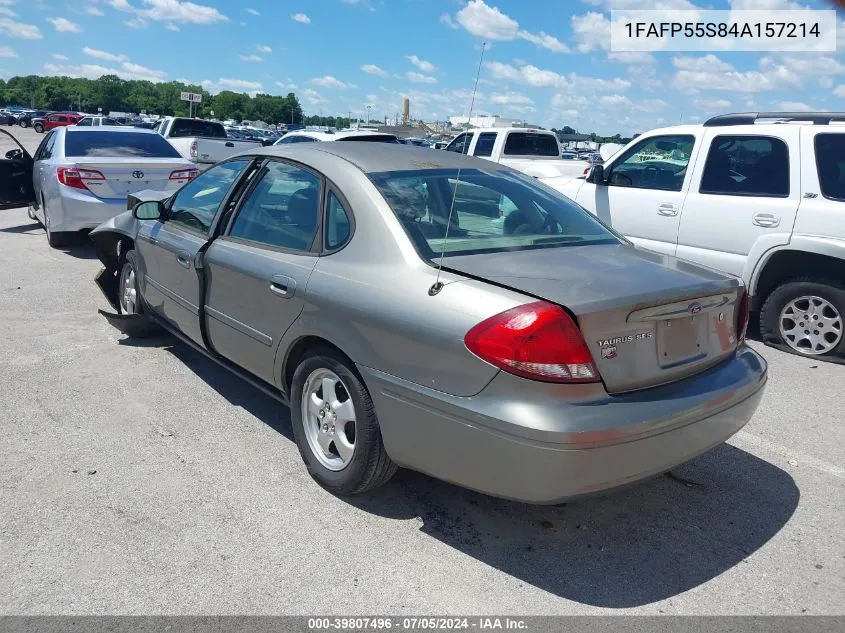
(140, 478)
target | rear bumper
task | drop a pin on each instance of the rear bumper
(542, 443)
(77, 210)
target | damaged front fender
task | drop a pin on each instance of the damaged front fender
(133, 325)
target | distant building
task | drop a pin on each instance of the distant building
(488, 121)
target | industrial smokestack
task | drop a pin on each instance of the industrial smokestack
(406, 110)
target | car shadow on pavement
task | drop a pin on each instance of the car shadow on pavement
(637, 546)
(32, 228)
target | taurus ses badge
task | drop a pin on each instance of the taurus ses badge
(138, 174)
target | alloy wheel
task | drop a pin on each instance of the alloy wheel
(329, 419)
(811, 325)
(128, 291)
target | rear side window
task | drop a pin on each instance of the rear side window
(830, 161)
(123, 144)
(747, 166)
(485, 143)
(531, 144)
(337, 223)
(192, 127)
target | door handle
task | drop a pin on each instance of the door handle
(230, 144)
(766, 220)
(283, 286)
(667, 208)
(184, 259)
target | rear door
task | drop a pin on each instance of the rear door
(259, 268)
(644, 191)
(822, 210)
(42, 172)
(744, 196)
(167, 251)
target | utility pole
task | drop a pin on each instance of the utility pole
(368, 114)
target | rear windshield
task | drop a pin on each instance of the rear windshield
(194, 127)
(494, 211)
(372, 138)
(830, 161)
(127, 144)
(531, 144)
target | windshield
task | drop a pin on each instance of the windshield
(494, 211)
(129, 144)
(372, 138)
(196, 127)
(531, 144)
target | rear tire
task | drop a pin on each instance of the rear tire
(56, 239)
(807, 315)
(23, 123)
(368, 466)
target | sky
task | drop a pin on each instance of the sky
(545, 61)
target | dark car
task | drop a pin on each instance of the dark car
(25, 119)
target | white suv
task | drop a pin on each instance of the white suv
(757, 195)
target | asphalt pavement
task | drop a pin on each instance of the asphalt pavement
(140, 478)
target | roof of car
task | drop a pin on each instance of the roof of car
(108, 128)
(384, 157)
(334, 136)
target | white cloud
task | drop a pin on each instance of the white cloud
(490, 23)
(126, 70)
(511, 99)
(327, 81)
(171, 27)
(420, 78)
(110, 57)
(136, 23)
(63, 25)
(20, 30)
(711, 105)
(286, 86)
(301, 18)
(7, 12)
(313, 97)
(796, 106)
(592, 30)
(840, 91)
(711, 73)
(638, 59)
(250, 58)
(426, 67)
(448, 21)
(614, 100)
(252, 11)
(372, 69)
(539, 78)
(6, 51)
(92, 10)
(59, 56)
(264, 49)
(708, 63)
(169, 11)
(235, 85)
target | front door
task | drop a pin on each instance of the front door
(167, 250)
(258, 269)
(644, 191)
(16, 177)
(742, 198)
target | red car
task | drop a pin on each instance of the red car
(55, 120)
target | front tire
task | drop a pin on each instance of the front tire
(23, 123)
(38, 128)
(807, 315)
(335, 425)
(128, 295)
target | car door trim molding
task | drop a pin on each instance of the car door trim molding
(243, 328)
(172, 295)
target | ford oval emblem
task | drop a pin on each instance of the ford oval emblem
(138, 174)
(694, 308)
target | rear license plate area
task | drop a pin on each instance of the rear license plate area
(682, 340)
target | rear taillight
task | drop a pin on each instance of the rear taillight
(742, 317)
(77, 178)
(194, 149)
(538, 340)
(184, 174)
(587, 171)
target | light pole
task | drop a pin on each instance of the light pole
(368, 115)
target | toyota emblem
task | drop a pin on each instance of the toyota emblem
(138, 174)
(694, 308)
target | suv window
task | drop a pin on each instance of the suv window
(195, 127)
(531, 144)
(196, 204)
(830, 161)
(747, 166)
(484, 144)
(659, 162)
(460, 145)
(282, 210)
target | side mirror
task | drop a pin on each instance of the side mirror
(14, 154)
(596, 175)
(148, 211)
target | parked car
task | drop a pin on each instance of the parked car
(202, 142)
(309, 136)
(97, 121)
(531, 151)
(547, 345)
(79, 176)
(761, 200)
(26, 118)
(55, 120)
(7, 118)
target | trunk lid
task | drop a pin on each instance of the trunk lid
(213, 150)
(131, 175)
(648, 319)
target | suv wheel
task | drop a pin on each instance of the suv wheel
(807, 315)
(23, 123)
(38, 127)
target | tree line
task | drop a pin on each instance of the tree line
(113, 94)
(596, 138)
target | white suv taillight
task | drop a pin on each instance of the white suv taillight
(77, 178)
(184, 174)
(537, 340)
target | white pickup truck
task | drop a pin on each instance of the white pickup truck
(531, 151)
(757, 195)
(202, 142)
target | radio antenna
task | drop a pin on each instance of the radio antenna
(438, 285)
